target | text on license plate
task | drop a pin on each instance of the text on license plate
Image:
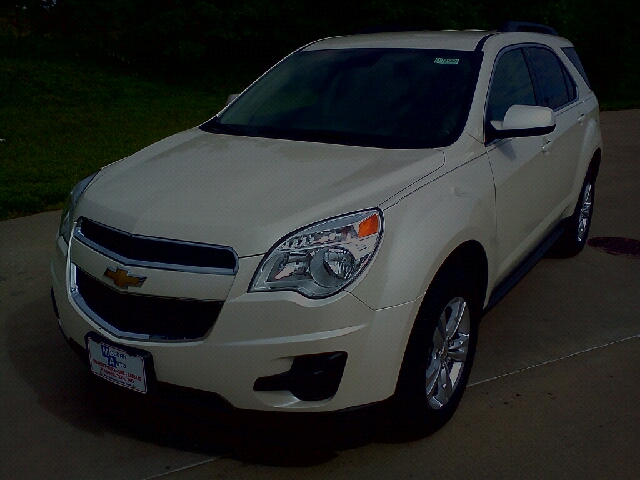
(117, 365)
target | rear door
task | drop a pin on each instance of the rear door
(558, 91)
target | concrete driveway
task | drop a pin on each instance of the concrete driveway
(555, 390)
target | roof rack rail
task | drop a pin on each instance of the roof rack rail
(511, 26)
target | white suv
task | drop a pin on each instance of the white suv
(332, 237)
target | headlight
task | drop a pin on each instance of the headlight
(66, 221)
(321, 259)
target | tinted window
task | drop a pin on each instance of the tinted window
(511, 85)
(550, 76)
(390, 98)
(571, 53)
(570, 84)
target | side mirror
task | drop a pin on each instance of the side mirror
(522, 121)
(231, 98)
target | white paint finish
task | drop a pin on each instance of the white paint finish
(565, 154)
(245, 192)
(248, 193)
(255, 339)
(524, 196)
(420, 40)
(424, 227)
(528, 116)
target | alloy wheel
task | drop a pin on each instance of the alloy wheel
(448, 353)
(584, 217)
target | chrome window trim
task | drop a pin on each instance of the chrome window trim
(77, 234)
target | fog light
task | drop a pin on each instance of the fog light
(311, 378)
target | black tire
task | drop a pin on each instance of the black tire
(420, 406)
(574, 238)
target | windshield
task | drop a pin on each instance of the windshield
(389, 98)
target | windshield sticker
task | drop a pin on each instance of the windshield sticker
(447, 61)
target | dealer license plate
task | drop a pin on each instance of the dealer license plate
(117, 365)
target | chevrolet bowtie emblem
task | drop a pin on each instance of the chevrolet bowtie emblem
(123, 279)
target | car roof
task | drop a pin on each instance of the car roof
(466, 40)
(447, 40)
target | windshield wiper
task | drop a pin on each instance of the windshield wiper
(214, 126)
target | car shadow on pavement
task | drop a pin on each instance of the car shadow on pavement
(66, 389)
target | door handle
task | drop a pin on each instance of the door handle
(581, 119)
(546, 145)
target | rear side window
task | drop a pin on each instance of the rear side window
(511, 85)
(571, 53)
(570, 84)
(552, 78)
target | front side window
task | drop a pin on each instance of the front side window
(388, 98)
(511, 85)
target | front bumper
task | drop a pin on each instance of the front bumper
(258, 335)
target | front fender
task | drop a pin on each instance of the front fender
(424, 227)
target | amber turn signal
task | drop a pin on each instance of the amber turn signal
(368, 226)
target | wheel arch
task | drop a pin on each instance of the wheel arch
(594, 164)
(468, 264)
(471, 257)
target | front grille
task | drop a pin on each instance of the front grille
(153, 317)
(156, 251)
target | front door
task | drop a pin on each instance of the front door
(524, 197)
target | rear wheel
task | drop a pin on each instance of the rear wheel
(574, 238)
(439, 354)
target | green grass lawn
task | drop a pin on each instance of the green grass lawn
(61, 120)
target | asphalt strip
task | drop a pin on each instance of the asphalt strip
(590, 349)
(554, 360)
(182, 468)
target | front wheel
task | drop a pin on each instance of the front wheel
(439, 354)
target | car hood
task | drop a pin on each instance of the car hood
(245, 192)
